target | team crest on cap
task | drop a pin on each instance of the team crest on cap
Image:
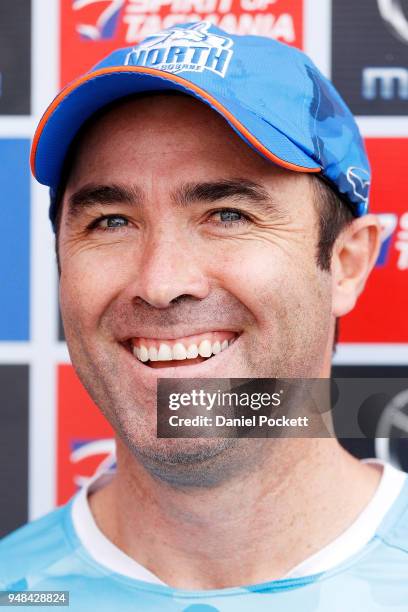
(191, 49)
(359, 180)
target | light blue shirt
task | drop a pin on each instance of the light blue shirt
(48, 555)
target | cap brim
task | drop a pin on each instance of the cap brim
(85, 96)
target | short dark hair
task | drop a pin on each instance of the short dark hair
(334, 215)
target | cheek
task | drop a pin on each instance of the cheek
(272, 282)
(88, 284)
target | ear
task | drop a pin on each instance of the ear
(354, 255)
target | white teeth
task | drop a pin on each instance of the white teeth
(192, 351)
(143, 353)
(179, 351)
(216, 347)
(153, 353)
(204, 350)
(164, 353)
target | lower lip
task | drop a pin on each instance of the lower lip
(175, 363)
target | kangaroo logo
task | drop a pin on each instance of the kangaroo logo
(107, 22)
(191, 48)
(359, 179)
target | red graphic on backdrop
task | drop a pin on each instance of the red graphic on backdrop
(84, 438)
(381, 312)
(90, 29)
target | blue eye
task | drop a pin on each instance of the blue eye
(109, 222)
(229, 218)
(230, 215)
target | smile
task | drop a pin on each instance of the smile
(189, 349)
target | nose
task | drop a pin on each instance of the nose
(169, 268)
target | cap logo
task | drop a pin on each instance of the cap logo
(191, 49)
(359, 180)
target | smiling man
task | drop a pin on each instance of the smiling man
(209, 196)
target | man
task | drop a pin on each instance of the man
(209, 196)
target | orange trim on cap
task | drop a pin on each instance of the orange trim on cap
(171, 77)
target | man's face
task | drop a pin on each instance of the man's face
(175, 232)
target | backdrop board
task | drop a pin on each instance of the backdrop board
(15, 240)
(15, 57)
(370, 55)
(13, 446)
(52, 436)
(90, 30)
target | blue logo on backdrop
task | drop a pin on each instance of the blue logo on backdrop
(191, 49)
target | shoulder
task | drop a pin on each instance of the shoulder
(393, 532)
(33, 547)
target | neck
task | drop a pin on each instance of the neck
(253, 527)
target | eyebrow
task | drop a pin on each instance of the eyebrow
(92, 195)
(218, 190)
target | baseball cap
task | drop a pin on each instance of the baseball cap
(271, 94)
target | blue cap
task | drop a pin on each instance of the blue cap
(271, 94)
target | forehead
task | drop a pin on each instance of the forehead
(159, 145)
(175, 117)
(152, 129)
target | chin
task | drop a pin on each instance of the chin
(183, 462)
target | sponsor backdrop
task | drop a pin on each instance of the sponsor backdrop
(52, 437)
(15, 57)
(373, 77)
